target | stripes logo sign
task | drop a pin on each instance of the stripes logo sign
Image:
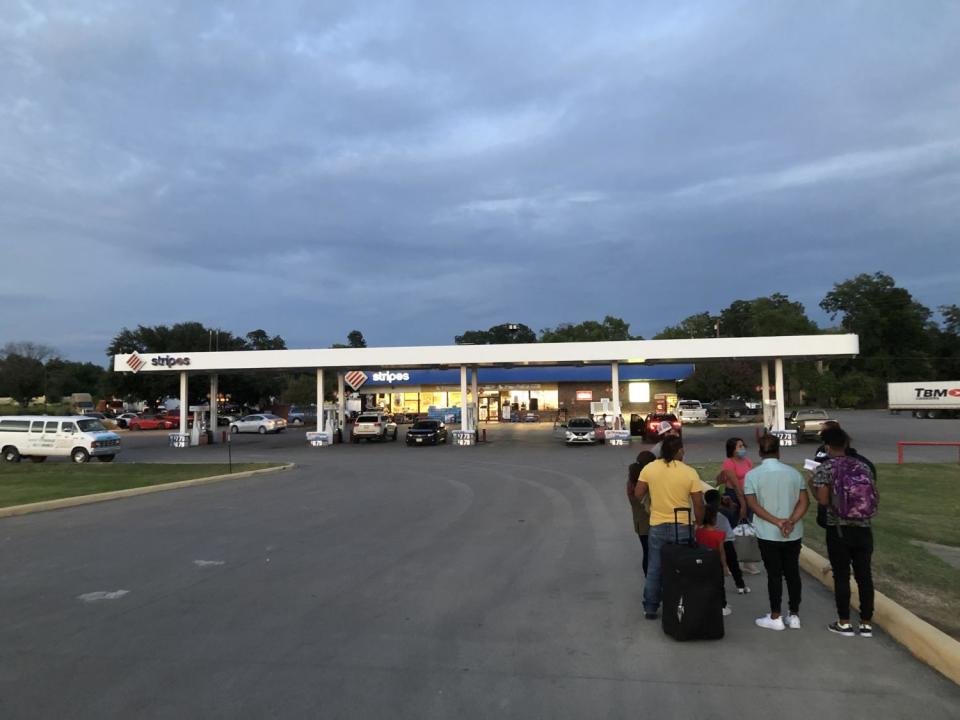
(135, 362)
(355, 378)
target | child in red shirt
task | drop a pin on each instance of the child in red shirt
(709, 536)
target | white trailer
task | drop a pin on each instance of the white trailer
(940, 399)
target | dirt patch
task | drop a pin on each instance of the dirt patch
(949, 554)
(935, 609)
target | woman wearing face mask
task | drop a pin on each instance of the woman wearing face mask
(732, 474)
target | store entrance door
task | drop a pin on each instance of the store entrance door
(489, 409)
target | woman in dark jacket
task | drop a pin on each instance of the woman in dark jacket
(640, 508)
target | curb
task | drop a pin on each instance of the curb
(69, 502)
(923, 640)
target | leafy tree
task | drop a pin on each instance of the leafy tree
(700, 325)
(35, 351)
(64, 377)
(947, 350)
(249, 389)
(260, 340)
(21, 378)
(611, 328)
(766, 316)
(896, 333)
(721, 380)
(355, 339)
(503, 334)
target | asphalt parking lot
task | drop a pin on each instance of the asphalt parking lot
(875, 434)
(380, 580)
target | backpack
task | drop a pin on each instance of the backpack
(854, 490)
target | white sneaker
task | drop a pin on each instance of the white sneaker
(770, 624)
(727, 610)
(743, 591)
(793, 622)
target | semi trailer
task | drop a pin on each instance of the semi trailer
(940, 399)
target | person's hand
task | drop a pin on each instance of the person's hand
(780, 522)
(787, 527)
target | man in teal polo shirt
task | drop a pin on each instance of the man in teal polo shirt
(777, 495)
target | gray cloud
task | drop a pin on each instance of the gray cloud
(415, 171)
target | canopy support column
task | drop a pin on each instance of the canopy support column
(214, 406)
(341, 402)
(765, 382)
(615, 388)
(463, 398)
(319, 399)
(475, 398)
(778, 374)
(184, 403)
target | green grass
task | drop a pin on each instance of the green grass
(917, 502)
(25, 482)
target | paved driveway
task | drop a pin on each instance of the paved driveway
(385, 581)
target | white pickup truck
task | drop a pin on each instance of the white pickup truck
(691, 411)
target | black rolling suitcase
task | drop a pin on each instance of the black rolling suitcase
(692, 594)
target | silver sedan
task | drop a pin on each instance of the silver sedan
(262, 423)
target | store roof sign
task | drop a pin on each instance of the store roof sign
(385, 376)
(355, 378)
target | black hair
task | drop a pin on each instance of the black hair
(643, 459)
(710, 515)
(835, 438)
(672, 445)
(769, 445)
(732, 446)
(712, 498)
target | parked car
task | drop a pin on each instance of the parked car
(651, 425)
(373, 426)
(123, 418)
(297, 415)
(725, 409)
(262, 423)
(580, 431)
(173, 417)
(149, 422)
(807, 423)
(531, 417)
(691, 411)
(427, 432)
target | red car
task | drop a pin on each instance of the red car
(149, 422)
(173, 417)
(651, 425)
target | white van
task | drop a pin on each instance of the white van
(41, 436)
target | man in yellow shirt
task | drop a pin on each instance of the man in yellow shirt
(671, 484)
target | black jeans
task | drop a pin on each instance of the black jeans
(782, 562)
(730, 550)
(849, 545)
(644, 544)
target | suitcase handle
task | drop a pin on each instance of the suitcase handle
(676, 525)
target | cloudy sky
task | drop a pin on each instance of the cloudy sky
(413, 170)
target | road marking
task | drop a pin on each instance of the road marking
(102, 595)
(208, 563)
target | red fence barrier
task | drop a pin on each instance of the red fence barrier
(902, 443)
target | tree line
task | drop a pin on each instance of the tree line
(900, 339)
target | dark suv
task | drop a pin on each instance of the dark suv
(723, 409)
